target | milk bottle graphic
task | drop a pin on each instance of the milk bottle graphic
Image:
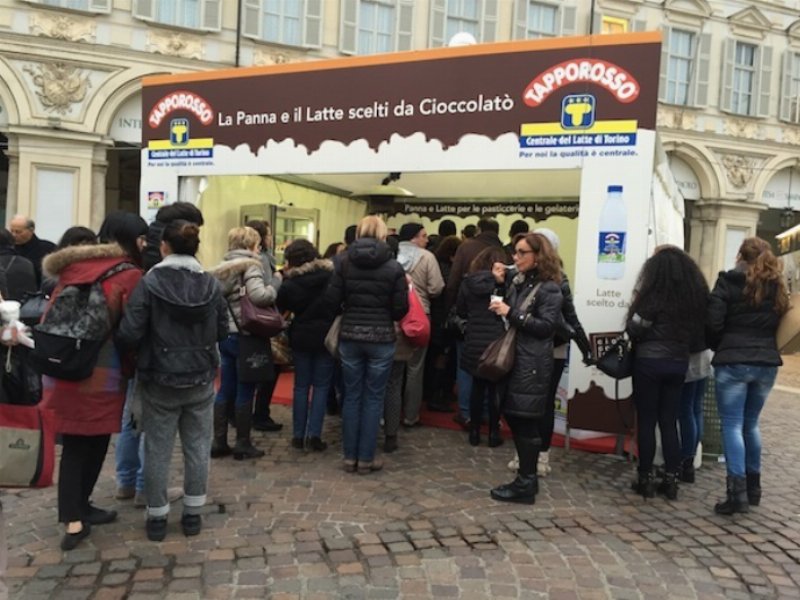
(613, 236)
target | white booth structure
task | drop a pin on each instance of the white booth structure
(558, 131)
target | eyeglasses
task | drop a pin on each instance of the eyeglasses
(522, 252)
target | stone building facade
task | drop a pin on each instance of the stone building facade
(71, 71)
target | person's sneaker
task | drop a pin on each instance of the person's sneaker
(98, 516)
(156, 529)
(461, 420)
(298, 443)
(543, 468)
(191, 524)
(315, 444)
(267, 425)
(71, 540)
(125, 492)
(412, 425)
(513, 464)
(365, 468)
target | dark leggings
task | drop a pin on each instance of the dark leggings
(546, 422)
(657, 385)
(527, 441)
(480, 388)
(264, 391)
(82, 458)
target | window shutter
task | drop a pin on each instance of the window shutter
(568, 19)
(100, 6)
(521, 20)
(597, 24)
(786, 86)
(728, 57)
(701, 70)
(405, 24)
(662, 71)
(489, 23)
(639, 25)
(438, 24)
(212, 13)
(348, 28)
(312, 36)
(144, 9)
(251, 15)
(761, 94)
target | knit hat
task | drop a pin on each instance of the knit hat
(409, 231)
(551, 236)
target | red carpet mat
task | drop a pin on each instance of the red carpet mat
(603, 445)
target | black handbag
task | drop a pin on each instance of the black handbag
(33, 307)
(617, 361)
(254, 363)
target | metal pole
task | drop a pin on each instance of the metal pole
(239, 30)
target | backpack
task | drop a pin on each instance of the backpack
(74, 327)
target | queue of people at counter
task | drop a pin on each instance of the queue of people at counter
(177, 328)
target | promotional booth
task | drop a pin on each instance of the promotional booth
(560, 132)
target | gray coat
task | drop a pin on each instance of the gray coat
(529, 383)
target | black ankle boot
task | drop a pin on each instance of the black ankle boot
(645, 485)
(686, 474)
(474, 434)
(754, 489)
(495, 439)
(522, 490)
(244, 447)
(669, 486)
(735, 497)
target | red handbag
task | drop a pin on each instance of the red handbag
(263, 322)
(27, 436)
(415, 325)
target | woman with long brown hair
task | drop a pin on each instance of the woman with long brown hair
(531, 304)
(746, 306)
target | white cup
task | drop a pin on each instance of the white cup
(495, 298)
(9, 311)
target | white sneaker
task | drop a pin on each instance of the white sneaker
(543, 468)
(513, 464)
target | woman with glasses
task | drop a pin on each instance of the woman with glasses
(531, 304)
(746, 306)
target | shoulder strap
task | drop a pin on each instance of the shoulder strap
(530, 298)
(233, 315)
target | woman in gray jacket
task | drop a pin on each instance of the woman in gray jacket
(241, 268)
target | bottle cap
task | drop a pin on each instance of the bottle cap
(615, 189)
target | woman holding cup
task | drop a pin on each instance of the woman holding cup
(531, 304)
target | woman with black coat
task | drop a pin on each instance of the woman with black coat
(482, 328)
(305, 279)
(666, 314)
(744, 311)
(371, 287)
(532, 305)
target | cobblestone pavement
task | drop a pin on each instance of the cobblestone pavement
(294, 525)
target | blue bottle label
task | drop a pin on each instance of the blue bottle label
(611, 247)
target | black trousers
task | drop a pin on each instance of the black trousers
(546, 423)
(82, 458)
(657, 385)
(527, 441)
(480, 389)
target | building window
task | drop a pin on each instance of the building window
(375, 27)
(744, 75)
(282, 21)
(542, 20)
(790, 93)
(464, 15)
(679, 66)
(190, 14)
(95, 6)
(613, 25)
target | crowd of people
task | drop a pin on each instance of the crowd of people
(178, 328)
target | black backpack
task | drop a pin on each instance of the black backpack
(75, 325)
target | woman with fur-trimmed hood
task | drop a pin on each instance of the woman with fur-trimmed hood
(306, 279)
(90, 410)
(240, 267)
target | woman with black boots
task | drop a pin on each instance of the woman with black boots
(483, 327)
(666, 314)
(746, 306)
(532, 305)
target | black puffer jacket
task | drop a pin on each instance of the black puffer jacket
(302, 293)
(741, 332)
(483, 326)
(569, 327)
(371, 287)
(173, 320)
(657, 335)
(529, 384)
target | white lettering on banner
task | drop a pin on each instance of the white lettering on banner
(589, 70)
(181, 100)
(434, 106)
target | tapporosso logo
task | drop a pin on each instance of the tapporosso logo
(582, 70)
(181, 100)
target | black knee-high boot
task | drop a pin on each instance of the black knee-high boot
(525, 487)
(219, 446)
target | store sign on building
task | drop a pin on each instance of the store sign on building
(127, 124)
(685, 178)
(783, 190)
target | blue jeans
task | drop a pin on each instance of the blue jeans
(230, 386)
(691, 416)
(311, 370)
(129, 452)
(742, 391)
(365, 372)
(463, 383)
